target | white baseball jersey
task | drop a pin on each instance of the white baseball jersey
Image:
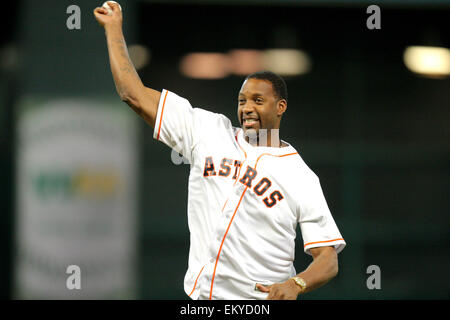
(244, 204)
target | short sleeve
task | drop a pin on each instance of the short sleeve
(174, 125)
(317, 225)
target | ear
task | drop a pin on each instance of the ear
(281, 106)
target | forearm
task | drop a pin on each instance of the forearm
(127, 81)
(323, 268)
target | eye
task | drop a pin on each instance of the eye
(259, 100)
(241, 101)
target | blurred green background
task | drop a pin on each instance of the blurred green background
(375, 133)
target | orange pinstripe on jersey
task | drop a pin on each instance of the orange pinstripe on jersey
(220, 248)
(195, 284)
(162, 111)
(307, 244)
(273, 155)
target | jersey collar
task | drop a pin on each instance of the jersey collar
(258, 149)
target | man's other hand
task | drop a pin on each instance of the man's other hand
(281, 291)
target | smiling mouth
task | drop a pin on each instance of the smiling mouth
(249, 122)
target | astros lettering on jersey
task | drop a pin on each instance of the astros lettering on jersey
(244, 204)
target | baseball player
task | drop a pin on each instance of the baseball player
(248, 190)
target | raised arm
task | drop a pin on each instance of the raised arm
(144, 101)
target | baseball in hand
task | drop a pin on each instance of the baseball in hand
(107, 7)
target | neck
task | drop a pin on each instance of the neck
(264, 138)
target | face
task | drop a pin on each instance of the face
(258, 107)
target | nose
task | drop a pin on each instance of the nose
(247, 108)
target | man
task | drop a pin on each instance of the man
(248, 189)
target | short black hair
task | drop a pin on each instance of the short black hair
(278, 84)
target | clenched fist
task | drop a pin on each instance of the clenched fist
(108, 18)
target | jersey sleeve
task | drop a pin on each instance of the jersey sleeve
(175, 123)
(317, 225)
